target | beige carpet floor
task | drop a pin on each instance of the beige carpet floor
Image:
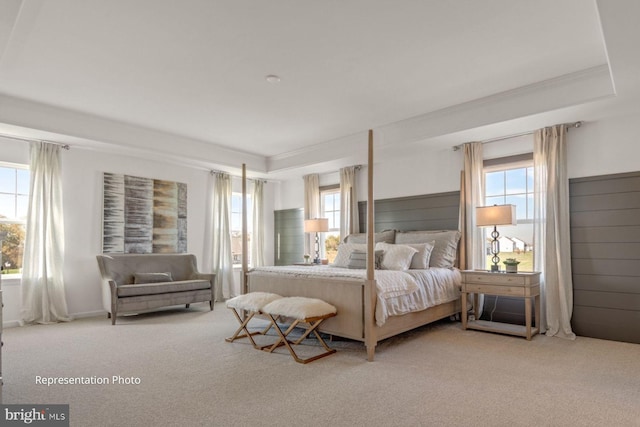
(437, 375)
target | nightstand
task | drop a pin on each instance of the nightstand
(525, 285)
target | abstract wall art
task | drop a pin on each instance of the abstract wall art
(143, 215)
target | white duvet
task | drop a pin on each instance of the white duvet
(435, 286)
(398, 292)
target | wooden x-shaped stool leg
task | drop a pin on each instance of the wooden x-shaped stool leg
(243, 327)
(313, 323)
(244, 308)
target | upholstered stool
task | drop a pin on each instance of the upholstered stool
(251, 303)
(310, 311)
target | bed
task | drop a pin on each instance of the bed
(402, 299)
(375, 303)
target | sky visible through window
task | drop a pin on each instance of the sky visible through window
(331, 208)
(14, 193)
(236, 212)
(236, 227)
(511, 186)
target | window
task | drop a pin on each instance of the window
(511, 186)
(330, 208)
(511, 182)
(236, 227)
(14, 204)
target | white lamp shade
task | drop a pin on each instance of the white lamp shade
(495, 215)
(317, 225)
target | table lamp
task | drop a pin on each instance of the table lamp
(316, 225)
(492, 216)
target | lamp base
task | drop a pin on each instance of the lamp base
(317, 258)
(495, 268)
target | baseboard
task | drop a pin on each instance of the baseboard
(89, 314)
(15, 323)
(10, 324)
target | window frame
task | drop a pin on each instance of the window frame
(15, 220)
(330, 189)
(324, 190)
(524, 161)
(232, 230)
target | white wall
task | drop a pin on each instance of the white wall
(398, 172)
(605, 146)
(82, 186)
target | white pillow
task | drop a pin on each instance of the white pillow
(421, 259)
(344, 253)
(444, 249)
(396, 257)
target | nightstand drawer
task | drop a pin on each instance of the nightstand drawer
(475, 288)
(495, 279)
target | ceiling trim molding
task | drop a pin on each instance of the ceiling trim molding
(55, 120)
(552, 94)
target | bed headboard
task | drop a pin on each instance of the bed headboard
(437, 211)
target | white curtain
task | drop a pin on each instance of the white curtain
(552, 251)
(472, 246)
(311, 207)
(43, 296)
(221, 238)
(257, 237)
(349, 219)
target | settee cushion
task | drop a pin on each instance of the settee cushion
(151, 277)
(121, 267)
(162, 287)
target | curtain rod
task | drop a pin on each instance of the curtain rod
(215, 172)
(531, 132)
(358, 167)
(18, 138)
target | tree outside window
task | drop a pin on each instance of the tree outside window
(14, 204)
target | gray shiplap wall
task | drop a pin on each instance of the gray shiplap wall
(426, 212)
(605, 253)
(288, 236)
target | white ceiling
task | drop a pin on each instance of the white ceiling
(188, 76)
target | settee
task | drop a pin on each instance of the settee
(133, 283)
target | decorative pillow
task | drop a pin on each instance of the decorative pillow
(396, 257)
(358, 259)
(444, 249)
(387, 236)
(421, 259)
(344, 253)
(139, 278)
